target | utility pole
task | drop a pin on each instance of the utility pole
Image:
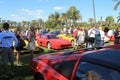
(94, 10)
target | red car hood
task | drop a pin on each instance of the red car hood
(55, 57)
(49, 57)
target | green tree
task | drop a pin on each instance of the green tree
(3, 21)
(73, 15)
(34, 23)
(40, 23)
(110, 20)
(54, 19)
(91, 20)
(63, 19)
(118, 18)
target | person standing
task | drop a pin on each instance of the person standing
(86, 37)
(75, 31)
(31, 39)
(91, 35)
(7, 38)
(102, 33)
(20, 45)
(97, 37)
(80, 37)
(117, 36)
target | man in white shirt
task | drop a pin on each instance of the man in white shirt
(91, 35)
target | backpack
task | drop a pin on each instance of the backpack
(98, 36)
(21, 44)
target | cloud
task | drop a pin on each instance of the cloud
(18, 18)
(58, 8)
(36, 13)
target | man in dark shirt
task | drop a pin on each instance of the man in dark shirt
(117, 36)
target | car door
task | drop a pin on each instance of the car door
(43, 40)
(65, 68)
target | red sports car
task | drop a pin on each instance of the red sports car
(52, 42)
(81, 64)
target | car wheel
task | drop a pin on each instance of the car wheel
(38, 77)
(49, 45)
(72, 43)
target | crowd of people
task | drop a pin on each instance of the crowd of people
(92, 37)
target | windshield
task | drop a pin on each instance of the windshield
(51, 36)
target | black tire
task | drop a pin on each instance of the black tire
(48, 45)
(38, 77)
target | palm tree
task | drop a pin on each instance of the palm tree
(63, 19)
(34, 23)
(40, 23)
(118, 18)
(73, 14)
(117, 4)
(109, 20)
(54, 19)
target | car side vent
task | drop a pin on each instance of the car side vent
(67, 53)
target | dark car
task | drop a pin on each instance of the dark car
(81, 64)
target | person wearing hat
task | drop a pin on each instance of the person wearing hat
(6, 39)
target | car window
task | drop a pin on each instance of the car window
(89, 71)
(51, 36)
(65, 68)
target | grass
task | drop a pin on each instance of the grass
(24, 72)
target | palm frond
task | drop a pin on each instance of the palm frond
(118, 20)
(117, 5)
(114, 0)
